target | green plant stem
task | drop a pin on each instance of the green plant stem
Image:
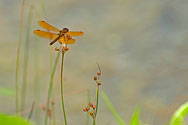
(97, 100)
(53, 114)
(18, 55)
(94, 121)
(97, 104)
(53, 106)
(31, 111)
(36, 80)
(50, 87)
(88, 98)
(62, 97)
(26, 58)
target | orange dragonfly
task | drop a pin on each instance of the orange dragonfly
(63, 36)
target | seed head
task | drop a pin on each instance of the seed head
(90, 104)
(84, 109)
(66, 49)
(92, 113)
(93, 107)
(87, 108)
(99, 83)
(95, 78)
(98, 73)
(57, 49)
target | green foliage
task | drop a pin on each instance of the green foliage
(135, 117)
(12, 120)
(111, 108)
(178, 116)
(6, 92)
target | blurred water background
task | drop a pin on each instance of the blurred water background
(141, 46)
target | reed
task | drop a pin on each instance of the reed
(26, 58)
(18, 56)
(50, 87)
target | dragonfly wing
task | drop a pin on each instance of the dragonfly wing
(47, 26)
(66, 40)
(45, 34)
(75, 33)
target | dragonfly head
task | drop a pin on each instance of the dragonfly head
(65, 30)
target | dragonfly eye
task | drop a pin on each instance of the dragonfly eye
(65, 30)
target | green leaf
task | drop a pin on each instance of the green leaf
(135, 117)
(180, 113)
(6, 92)
(12, 120)
(111, 108)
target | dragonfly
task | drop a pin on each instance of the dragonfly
(63, 36)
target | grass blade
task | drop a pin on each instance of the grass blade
(111, 108)
(135, 117)
(180, 113)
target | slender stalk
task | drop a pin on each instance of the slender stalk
(94, 121)
(97, 95)
(88, 98)
(26, 58)
(36, 80)
(18, 55)
(39, 14)
(97, 100)
(53, 106)
(31, 111)
(50, 87)
(97, 103)
(62, 98)
(97, 91)
(53, 114)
